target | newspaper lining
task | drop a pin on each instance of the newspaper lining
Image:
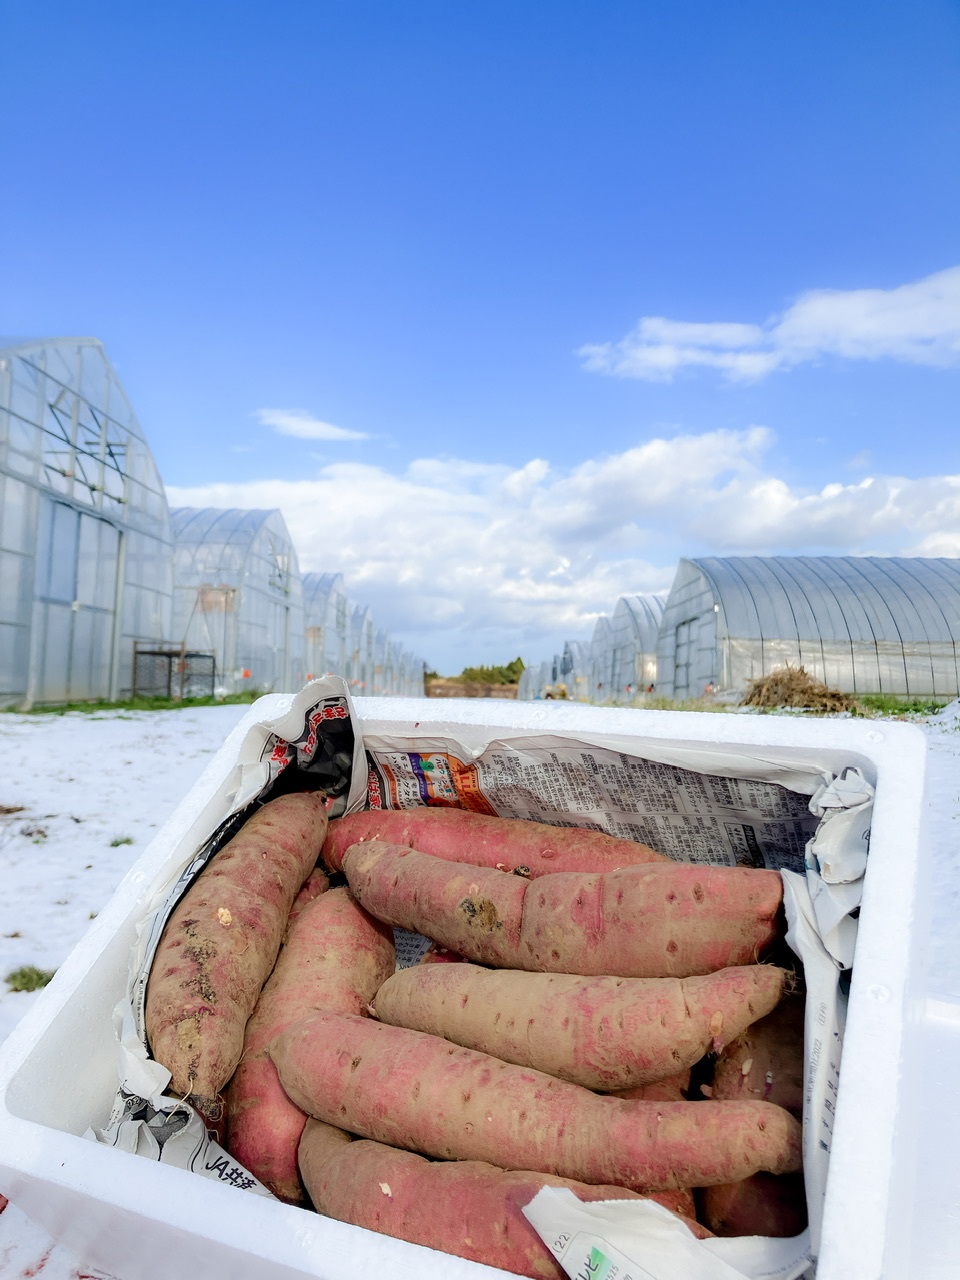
(690, 816)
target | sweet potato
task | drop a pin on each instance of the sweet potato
(762, 1205)
(468, 1208)
(221, 942)
(766, 1060)
(670, 1089)
(335, 957)
(446, 901)
(509, 844)
(417, 1091)
(664, 920)
(317, 882)
(603, 1033)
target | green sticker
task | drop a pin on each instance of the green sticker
(599, 1265)
(607, 1263)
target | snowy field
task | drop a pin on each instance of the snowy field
(88, 793)
(82, 795)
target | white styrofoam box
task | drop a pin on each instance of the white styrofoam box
(141, 1220)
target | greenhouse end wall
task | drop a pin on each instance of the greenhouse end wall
(86, 557)
(326, 614)
(575, 671)
(633, 638)
(687, 648)
(238, 594)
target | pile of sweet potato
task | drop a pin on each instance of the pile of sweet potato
(611, 1027)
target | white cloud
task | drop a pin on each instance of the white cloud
(917, 323)
(938, 544)
(469, 559)
(299, 423)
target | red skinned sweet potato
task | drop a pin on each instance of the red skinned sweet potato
(317, 882)
(416, 1091)
(403, 887)
(662, 920)
(468, 1208)
(221, 942)
(671, 1089)
(335, 957)
(604, 1033)
(766, 1060)
(762, 1205)
(508, 844)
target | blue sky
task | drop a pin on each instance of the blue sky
(477, 237)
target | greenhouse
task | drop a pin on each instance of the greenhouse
(410, 670)
(361, 651)
(575, 670)
(86, 561)
(326, 613)
(863, 624)
(526, 687)
(341, 640)
(548, 679)
(570, 674)
(633, 641)
(618, 664)
(400, 661)
(237, 592)
(601, 661)
(382, 664)
(538, 681)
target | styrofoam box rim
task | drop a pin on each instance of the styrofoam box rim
(143, 1220)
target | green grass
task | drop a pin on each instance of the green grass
(29, 978)
(650, 702)
(653, 703)
(117, 841)
(889, 705)
(868, 705)
(144, 704)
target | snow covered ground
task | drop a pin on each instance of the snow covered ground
(81, 796)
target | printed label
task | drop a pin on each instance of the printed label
(599, 1261)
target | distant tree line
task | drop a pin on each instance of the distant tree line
(509, 674)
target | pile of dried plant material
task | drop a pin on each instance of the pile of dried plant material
(793, 687)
